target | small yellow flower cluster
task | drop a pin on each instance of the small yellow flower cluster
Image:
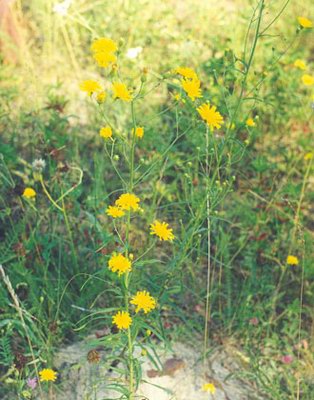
(192, 86)
(104, 51)
(47, 375)
(209, 387)
(143, 301)
(29, 193)
(190, 82)
(212, 117)
(305, 22)
(250, 122)
(292, 260)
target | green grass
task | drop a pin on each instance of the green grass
(248, 186)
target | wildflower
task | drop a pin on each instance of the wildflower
(250, 122)
(253, 321)
(122, 320)
(39, 165)
(90, 86)
(139, 132)
(134, 52)
(128, 201)
(300, 64)
(292, 260)
(62, 8)
(29, 193)
(161, 230)
(212, 117)
(93, 357)
(104, 59)
(186, 72)
(104, 45)
(105, 132)
(209, 387)
(192, 88)
(308, 156)
(143, 301)
(305, 22)
(32, 383)
(119, 263)
(308, 80)
(101, 97)
(148, 332)
(115, 212)
(120, 91)
(47, 374)
(287, 359)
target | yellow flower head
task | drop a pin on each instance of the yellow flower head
(47, 374)
(120, 264)
(106, 132)
(139, 132)
(308, 80)
(305, 22)
(104, 45)
(250, 122)
(115, 212)
(104, 59)
(192, 88)
(120, 91)
(212, 117)
(101, 97)
(209, 387)
(292, 260)
(308, 156)
(186, 72)
(300, 64)
(122, 320)
(128, 201)
(90, 86)
(143, 301)
(161, 230)
(29, 193)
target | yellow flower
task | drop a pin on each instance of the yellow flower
(192, 88)
(308, 80)
(29, 193)
(104, 45)
(101, 97)
(186, 72)
(299, 64)
(250, 122)
(209, 387)
(308, 156)
(128, 201)
(104, 59)
(90, 86)
(161, 230)
(292, 260)
(139, 132)
(106, 132)
(305, 22)
(115, 212)
(119, 263)
(47, 374)
(143, 301)
(120, 91)
(212, 117)
(122, 320)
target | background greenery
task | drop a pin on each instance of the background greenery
(59, 277)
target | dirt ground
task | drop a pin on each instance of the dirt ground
(181, 379)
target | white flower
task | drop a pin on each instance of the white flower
(134, 52)
(62, 8)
